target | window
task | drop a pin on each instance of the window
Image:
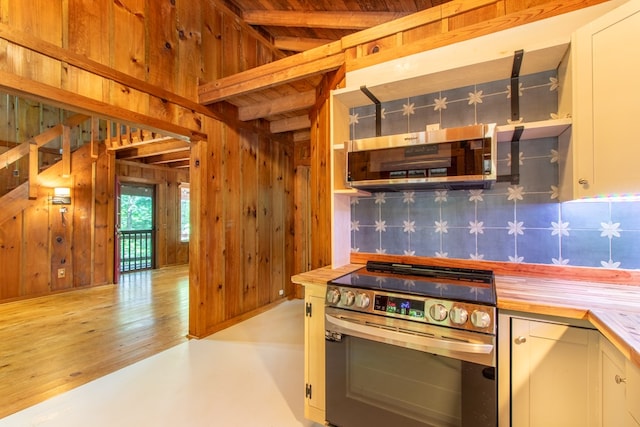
(184, 212)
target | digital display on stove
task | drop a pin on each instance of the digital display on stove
(397, 305)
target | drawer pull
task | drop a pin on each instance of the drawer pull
(620, 380)
(520, 340)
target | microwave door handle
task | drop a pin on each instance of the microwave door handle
(390, 336)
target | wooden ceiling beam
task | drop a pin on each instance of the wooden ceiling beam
(290, 124)
(153, 149)
(296, 67)
(319, 19)
(282, 105)
(298, 44)
(176, 156)
(183, 164)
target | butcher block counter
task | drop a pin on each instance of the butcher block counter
(612, 307)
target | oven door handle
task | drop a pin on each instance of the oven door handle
(400, 338)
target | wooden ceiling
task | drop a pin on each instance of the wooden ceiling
(283, 92)
(296, 26)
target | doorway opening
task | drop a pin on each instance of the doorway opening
(136, 227)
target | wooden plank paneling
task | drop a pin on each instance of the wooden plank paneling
(163, 42)
(288, 218)
(251, 187)
(188, 63)
(320, 188)
(84, 16)
(211, 189)
(233, 246)
(35, 249)
(83, 230)
(212, 44)
(128, 52)
(41, 19)
(10, 257)
(266, 152)
(128, 37)
(230, 43)
(61, 226)
(104, 221)
(278, 226)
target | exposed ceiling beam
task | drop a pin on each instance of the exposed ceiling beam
(282, 105)
(318, 19)
(296, 67)
(180, 165)
(293, 123)
(153, 149)
(168, 157)
(298, 44)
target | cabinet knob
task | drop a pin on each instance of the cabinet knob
(583, 181)
(620, 380)
(520, 340)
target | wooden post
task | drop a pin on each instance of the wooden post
(33, 170)
(66, 151)
(95, 132)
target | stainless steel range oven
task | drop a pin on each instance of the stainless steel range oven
(411, 346)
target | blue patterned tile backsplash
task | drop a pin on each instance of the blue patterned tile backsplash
(522, 223)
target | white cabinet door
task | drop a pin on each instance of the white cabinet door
(605, 150)
(614, 408)
(620, 394)
(314, 402)
(632, 373)
(553, 374)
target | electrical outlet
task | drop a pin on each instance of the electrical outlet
(281, 292)
(61, 273)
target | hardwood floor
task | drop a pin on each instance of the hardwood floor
(52, 344)
(248, 375)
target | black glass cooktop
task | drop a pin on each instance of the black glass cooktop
(466, 285)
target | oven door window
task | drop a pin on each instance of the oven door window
(375, 384)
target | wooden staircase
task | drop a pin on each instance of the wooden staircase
(20, 197)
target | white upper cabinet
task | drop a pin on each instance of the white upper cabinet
(599, 157)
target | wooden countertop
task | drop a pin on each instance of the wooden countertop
(613, 308)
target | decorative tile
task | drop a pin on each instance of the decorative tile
(518, 223)
(585, 248)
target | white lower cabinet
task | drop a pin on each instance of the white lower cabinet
(632, 373)
(554, 374)
(314, 403)
(620, 395)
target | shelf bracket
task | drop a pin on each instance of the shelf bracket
(514, 177)
(515, 85)
(378, 104)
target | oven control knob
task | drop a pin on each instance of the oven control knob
(458, 315)
(362, 300)
(438, 312)
(333, 296)
(480, 319)
(348, 298)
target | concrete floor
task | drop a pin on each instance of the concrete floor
(250, 374)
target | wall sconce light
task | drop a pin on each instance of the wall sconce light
(61, 196)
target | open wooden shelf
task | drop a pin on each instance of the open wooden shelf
(535, 130)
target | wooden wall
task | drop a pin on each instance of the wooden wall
(243, 226)
(139, 62)
(43, 238)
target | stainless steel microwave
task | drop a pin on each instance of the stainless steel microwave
(451, 158)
